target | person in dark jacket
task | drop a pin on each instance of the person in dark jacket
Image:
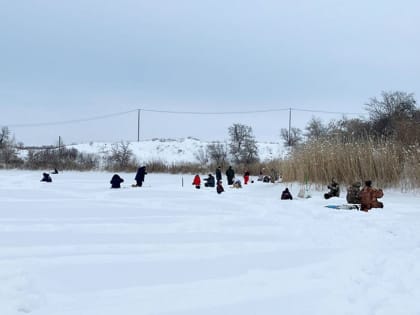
(368, 197)
(286, 195)
(218, 173)
(197, 181)
(334, 188)
(353, 193)
(230, 174)
(209, 181)
(116, 181)
(219, 187)
(46, 178)
(141, 172)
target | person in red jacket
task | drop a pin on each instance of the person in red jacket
(197, 181)
(368, 197)
(246, 177)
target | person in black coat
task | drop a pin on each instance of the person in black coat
(230, 174)
(210, 182)
(286, 195)
(116, 181)
(334, 188)
(46, 178)
(141, 172)
(218, 173)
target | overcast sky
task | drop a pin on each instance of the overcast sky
(70, 60)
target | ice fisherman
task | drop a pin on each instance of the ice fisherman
(197, 181)
(219, 187)
(46, 178)
(141, 173)
(353, 193)
(334, 188)
(230, 174)
(209, 181)
(369, 197)
(218, 173)
(286, 195)
(246, 177)
(116, 181)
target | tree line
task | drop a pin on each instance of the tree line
(384, 147)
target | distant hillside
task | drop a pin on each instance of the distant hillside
(174, 150)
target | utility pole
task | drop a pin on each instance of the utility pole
(290, 123)
(138, 125)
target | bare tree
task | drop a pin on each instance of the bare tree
(315, 129)
(120, 156)
(292, 139)
(202, 156)
(217, 153)
(242, 146)
(391, 112)
(8, 152)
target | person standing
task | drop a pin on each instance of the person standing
(230, 174)
(141, 173)
(246, 177)
(218, 174)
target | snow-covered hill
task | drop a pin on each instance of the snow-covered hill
(175, 150)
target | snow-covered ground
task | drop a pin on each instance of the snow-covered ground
(76, 247)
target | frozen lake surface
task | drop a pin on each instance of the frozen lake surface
(77, 247)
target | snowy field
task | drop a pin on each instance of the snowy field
(76, 247)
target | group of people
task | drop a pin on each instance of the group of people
(116, 179)
(46, 177)
(367, 197)
(211, 181)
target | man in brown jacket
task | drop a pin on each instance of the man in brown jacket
(368, 197)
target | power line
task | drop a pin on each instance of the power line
(215, 113)
(325, 111)
(74, 121)
(64, 122)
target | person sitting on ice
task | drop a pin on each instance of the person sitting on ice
(46, 178)
(266, 179)
(261, 175)
(237, 183)
(197, 181)
(209, 181)
(286, 195)
(116, 181)
(353, 193)
(368, 197)
(334, 188)
(219, 187)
